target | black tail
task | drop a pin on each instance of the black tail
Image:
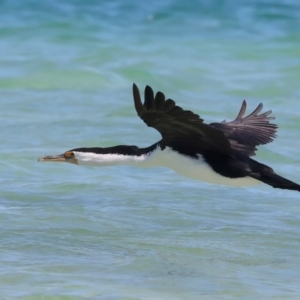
(279, 182)
(268, 176)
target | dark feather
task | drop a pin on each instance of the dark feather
(159, 100)
(267, 175)
(248, 132)
(178, 126)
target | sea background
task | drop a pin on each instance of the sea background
(123, 233)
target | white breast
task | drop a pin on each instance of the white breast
(193, 168)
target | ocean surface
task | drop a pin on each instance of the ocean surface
(124, 233)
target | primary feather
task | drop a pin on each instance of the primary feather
(245, 133)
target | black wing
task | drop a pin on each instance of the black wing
(246, 133)
(178, 127)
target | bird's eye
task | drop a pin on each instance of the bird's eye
(69, 154)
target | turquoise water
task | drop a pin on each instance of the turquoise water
(70, 232)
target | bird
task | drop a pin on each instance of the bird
(217, 153)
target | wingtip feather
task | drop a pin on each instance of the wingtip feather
(137, 99)
(242, 110)
(148, 97)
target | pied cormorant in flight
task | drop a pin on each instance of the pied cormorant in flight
(215, 153)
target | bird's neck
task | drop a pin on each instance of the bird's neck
(114, 156)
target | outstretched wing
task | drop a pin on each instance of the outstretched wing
(177, 126)
(246, 133)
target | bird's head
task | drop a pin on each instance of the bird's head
(109, 156)
(68, 156)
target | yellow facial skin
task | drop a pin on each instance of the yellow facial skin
(68, 154)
